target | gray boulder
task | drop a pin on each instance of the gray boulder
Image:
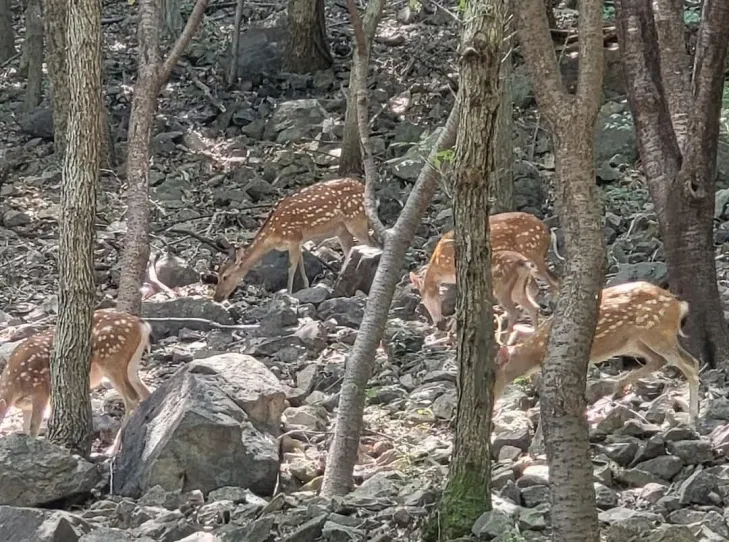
(32, 524)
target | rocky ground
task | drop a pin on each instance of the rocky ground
(202, 455)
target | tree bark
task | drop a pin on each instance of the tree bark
(350, 162)
(172, 17)
(343, 451)
(502, 178)
(55, 18)
(562, 390)
(678, 139)
(235, 45)
(70, 421)
(151, 75)
(307, 47)
(467, 493)
(7, 35)
(33, 54)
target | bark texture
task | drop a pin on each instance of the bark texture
(343, 450)
(235, 45)
(676, 113)
(54, 17)
(7, 36)
(350, 162)
(151, 75)
(562, 391)
(307, 47)
(70, 421)
(467, 493)
(33, 54)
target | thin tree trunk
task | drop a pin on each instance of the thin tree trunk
(55, 18)
(235, 45)
(307, 47)
(172, 17)
(678, 141)
(343, 451)
(350, 162)
(467, 493)
(152, 74)
(562, 390)
(7, 35)
(70, 421)
(502, 178)
(33, 51)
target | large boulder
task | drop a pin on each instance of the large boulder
(215, 423)
(35, 472)
(32, 524)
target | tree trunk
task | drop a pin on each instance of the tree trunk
(502, 178)
(7, 36)
(173, 17)
(144, 105)
(235, 45)
(562, 389)
(33, 53)
(343, 450)
(350, 162)
(54, 16)
(678, 144)
(307, 47)
(70, 421)
(467, 493)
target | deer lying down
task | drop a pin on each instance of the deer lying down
(635, 319)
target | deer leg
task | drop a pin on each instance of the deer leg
(547, 275)
(346, 241)
(512, 313)
(520, 294)
(296, 261)
(39, 406)
(361, 230)
(689, 366)
(654, 361)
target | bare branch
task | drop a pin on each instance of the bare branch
(592, 65)
(675, 63)
(538, 51)
(360, 63)
(193, 21)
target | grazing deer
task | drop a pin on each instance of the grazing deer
(329, 208)
(118, 341)
(512, 278)
(637, 319)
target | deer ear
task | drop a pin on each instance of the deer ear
(502, 357)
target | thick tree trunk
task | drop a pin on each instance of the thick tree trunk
(307, 47)
(144, 105)
(33, 54)
(678, 150)
(7, 36)
(70, 422)
(467, 493)
(502, 178)
(152, 74)
(350, 162)
(343, 450)
(562, 390)
(54, 17)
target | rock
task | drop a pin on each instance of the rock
(665, 466)
(605, 498)
(13, 219)
(295, 120)
(654, 272)
(310, 418)
(112, 535)
(32, 524)
(622, 450)
(402, 338)
(275, 315)
(671, 533)
(532, 519)
(358, 271)
(175, 272)
(444, 407)
(691, 452)
(652, 492)
(34, 472)
(345, 311)
(213, 424)
(170, 526)
(313, 295)
(614, 420)
(183, 307)
(336, 532)
(514, 433)
(309, 531)
(272, 271)
(697, 487)
(721, 198)
(535, 495)
(38, 123)
(491, 524)
(615, 133)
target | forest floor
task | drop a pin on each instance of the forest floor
(223, 155)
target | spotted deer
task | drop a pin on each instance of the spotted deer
(118, 341)
(512, 277)
(518, 232)
(326, 209)
(637, 319)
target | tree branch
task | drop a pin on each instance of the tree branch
(592, 64)
(360, 63)
(193, 21)
(538, 51)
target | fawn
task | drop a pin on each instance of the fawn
(636, 319)
(328, 208)
(512, 279)
(118, 341)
